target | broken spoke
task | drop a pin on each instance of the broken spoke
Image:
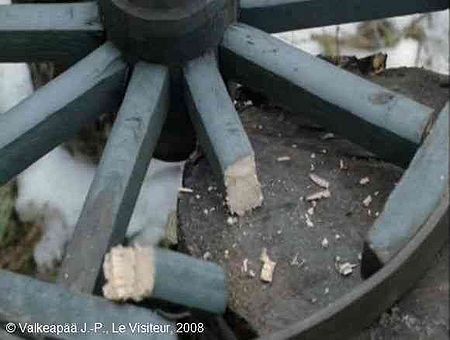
(221, 134)
(115, 188)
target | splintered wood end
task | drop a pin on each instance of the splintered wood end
(242, 185)
(129, 273)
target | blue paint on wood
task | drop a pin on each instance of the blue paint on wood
(27, 300)
(216, 121)
(380, 120)
(190, 282)
(416, 196)
(117, 182)
(286, 15)
(49, 32)
(58, 110)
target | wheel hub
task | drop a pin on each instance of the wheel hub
(166, 32)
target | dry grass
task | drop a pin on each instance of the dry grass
(17, 240)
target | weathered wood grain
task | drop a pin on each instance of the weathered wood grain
(380, 120)
(27, 300)
(56, 112)
(221, 133)
(286, 15)
(414, 199)
(49, 32)
(116, 185)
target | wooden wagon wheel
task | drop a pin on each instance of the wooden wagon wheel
(157, 50)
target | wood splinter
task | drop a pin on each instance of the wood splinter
(129, 273)
(242, 185)
(137, 273)
(268, 267)
(221, 134)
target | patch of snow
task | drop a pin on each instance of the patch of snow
(15, 84)
(15, 81)
(436, 46)
(433, 54)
